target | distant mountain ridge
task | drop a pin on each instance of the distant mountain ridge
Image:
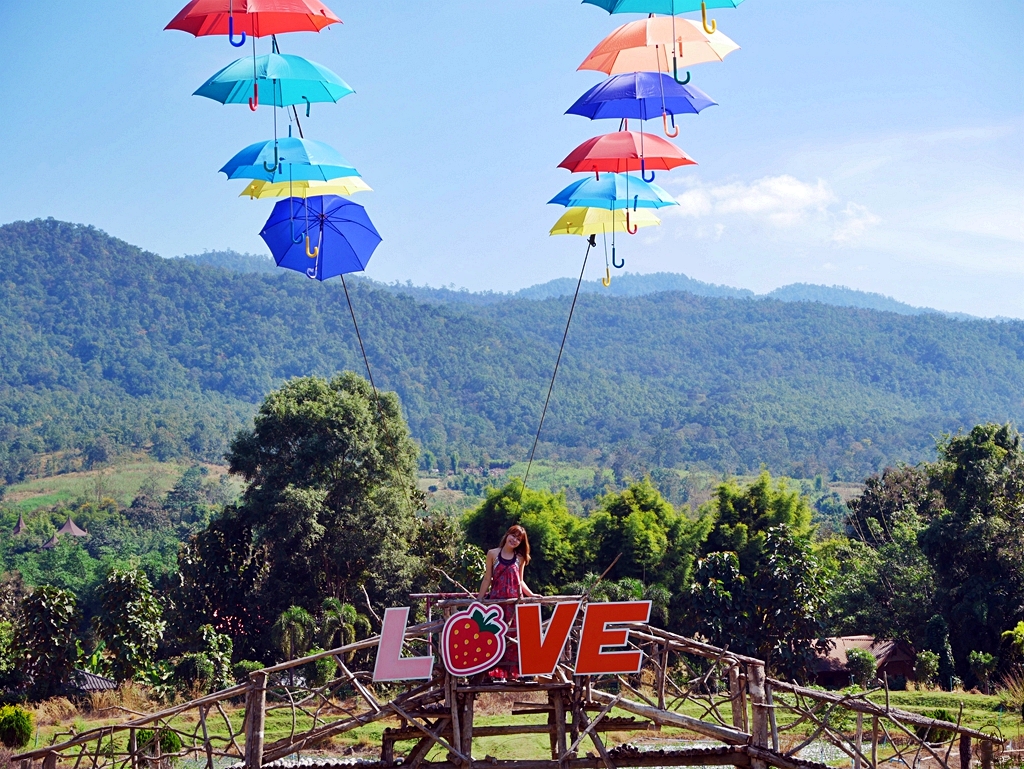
(627, 284)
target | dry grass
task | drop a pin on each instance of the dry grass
(1011, 689)
(52, 712)
(130, 697)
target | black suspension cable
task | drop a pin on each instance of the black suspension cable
(591, 243)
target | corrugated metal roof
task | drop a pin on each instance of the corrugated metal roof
(90, 682)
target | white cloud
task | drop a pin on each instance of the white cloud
(852, 222)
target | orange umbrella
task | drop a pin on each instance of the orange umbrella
(658, 44)
(626, 151)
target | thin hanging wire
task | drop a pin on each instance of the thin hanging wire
(591, 243)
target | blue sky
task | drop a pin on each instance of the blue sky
(869, 144)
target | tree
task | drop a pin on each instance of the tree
(293, 632)
(341, 624)
(1014, 639)
(861, 665)
(329, 507)
(926, 667)
(937, 641)
(976, 543)
(983, 665)
(130, 621)
(45, 642)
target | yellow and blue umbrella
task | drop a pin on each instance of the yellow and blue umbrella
(599, 221)
(346, 185)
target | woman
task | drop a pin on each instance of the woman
(503, 578)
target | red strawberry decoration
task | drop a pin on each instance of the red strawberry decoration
(473, 640)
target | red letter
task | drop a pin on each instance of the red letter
(539, 656)
(592, 659)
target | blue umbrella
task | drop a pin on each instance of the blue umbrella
(290, 80)
(344, 235)
(615, 192)
(666, 6)
(294, 160)
(641, 95)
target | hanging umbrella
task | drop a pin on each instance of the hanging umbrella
(345, 185)
(626, 151)
(293, 160)
(290, 79)
(613, 191)
(597, 221)
(258, 18)
(643, 96)
(653, 45)
(670, 7)
(345, 237)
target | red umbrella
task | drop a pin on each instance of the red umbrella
(626, 151)
(254, 17)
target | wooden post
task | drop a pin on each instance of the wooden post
(858, 741)
(50, 760)
(874, 742)
(758, 712)
(769, 699)
(736, 699)
(203, 710)
(986, 754)
(133, 748)
(387, 749)
(558, 704)
(255, 715)
(965, 751)
(663, 676)
(467, 725)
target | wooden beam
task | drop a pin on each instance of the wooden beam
(671, 718)
(256, 712)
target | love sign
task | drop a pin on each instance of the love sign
(475, 639)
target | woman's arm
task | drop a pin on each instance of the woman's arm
(523, 588)
(485, 584)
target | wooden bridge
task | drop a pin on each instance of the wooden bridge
(723, 698)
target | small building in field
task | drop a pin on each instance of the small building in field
(894, 659)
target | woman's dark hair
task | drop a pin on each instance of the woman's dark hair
(523, 548)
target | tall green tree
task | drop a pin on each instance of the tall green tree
(976, 543)
(45, 641)
(328, 508)
(130, 621)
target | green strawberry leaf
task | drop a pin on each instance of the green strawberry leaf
(483, 621)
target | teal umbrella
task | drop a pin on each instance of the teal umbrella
(667, 7)
(287, 78)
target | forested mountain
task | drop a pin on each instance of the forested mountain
(102, 344)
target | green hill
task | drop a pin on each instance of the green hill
(104, 347)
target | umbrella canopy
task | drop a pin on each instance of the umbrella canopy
(346, 185)
(597, 221)
(640, 95)
(288, 159)
(660, 6)
(341, 235)
(252, 17)
(648, 46)
(613, 191)
(625, 151)
(288, 79)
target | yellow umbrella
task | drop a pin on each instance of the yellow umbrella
(596, 221)
(345, 185)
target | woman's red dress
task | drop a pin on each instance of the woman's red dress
(505, 583)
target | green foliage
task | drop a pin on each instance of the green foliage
(1014, 639)
(321, 671)
(861, 665)
(16, 725)
(982, 665)
(932, 734)
(170, 742)
(926, 667)
(937, 640)
(218, 648)
(242, 669)
(129, 621)
(976, 543)
(195, 673)
(341, 624)
(626, 589)
(329, 507)
(45, 641)
(293, 632)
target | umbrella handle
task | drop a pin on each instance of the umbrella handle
(597, 175)
(631, 230)
(273, 168)
(606, 281)
(307, 105)
(231, 33)
(675, 71)
(643, 172)
(254, 100)
(315, 252)
(704, 18)
(618, 264)
(664, 121)
(291, 223)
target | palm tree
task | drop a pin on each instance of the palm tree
(293, 632)
(341, 618)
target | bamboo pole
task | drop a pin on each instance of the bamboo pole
(769, 699)
(256, 714)
(671, 718)
(858, 741)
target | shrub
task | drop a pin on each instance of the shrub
(241, 670)
(15, 726)
(321, 671)
(861, 665)
(194, 672)
(170, 742)
(926, 667)
(932, 734)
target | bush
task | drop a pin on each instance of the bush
(926, 667)
(170, 742)
(15, 726)
(194, 672)
(321, 671)
(932, 735)
(861, 665)
(241, 670)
